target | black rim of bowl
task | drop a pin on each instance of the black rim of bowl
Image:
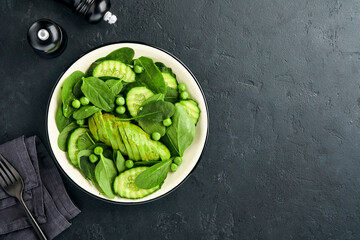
(108, 200)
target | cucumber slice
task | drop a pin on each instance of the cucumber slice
(192, 109)
(73, 149)
(170, 81)
(124, 184)
(112, 68)
(135, 97)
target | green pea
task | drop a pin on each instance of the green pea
(93, 158)
(81, 122)
(76, 103)
(120, 109)
(167, 122)
(129, 163)
(98, 150)
(184, 95)
(120, 101)
(156, 136)
(177, 160)
(173, 167)
(138, 69)
(84, 101)
(182, 87)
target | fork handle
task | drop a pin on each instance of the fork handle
(35, 225)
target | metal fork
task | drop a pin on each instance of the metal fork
(13, 184)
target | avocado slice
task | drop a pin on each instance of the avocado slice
(124, 138)
(134, 139)
(129, 138)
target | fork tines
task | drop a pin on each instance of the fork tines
(8, 173)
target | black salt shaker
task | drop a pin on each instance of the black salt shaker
(47, 38)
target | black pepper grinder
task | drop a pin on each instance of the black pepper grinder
(92, 10)
(47, 38)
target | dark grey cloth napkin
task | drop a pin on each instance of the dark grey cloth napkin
(44, 193)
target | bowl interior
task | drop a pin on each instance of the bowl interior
(192, 154)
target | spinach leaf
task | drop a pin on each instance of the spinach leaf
(151, 77)
(77, 89)
(64, 135)
(145, 163)
(154, 175)
(84, 142)
(156, 111)
(98, 93)
(124, 55)
(163, 68)
(86, 167)
(85, 112)
(61, 120)
(67, 94)
(181, 133)
(150, 127)
(153, 98)
(119, 161)
(105, 172)
(172, 95)
(115, 86)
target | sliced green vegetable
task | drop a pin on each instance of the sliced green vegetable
(135, 97)
(192, 109)
(125, 187)
(112, 68)
(73, 147)
(170, 81)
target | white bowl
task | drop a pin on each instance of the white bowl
(192, 154)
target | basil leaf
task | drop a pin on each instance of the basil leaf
(181, 133)
(115, 86)
(86, 167)
(64, 135)
(154, 175)
(85, 112)
(150, 77)
(156, 111)
(67, 94)
(105, 172)
(77, 89)
(119, 161)
(145, 163)
(61, 120)
(98, 93)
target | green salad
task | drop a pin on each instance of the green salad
(125, 123)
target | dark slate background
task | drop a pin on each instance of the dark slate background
(282, 81)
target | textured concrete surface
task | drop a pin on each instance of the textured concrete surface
(282, 81)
